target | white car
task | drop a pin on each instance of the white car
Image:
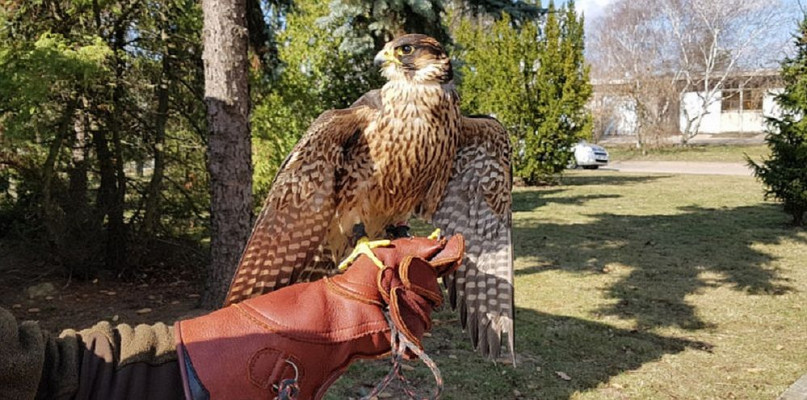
(588, 156)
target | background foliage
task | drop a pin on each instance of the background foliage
(533, 79)
(102, 120)
(102, 128)
(784, 173)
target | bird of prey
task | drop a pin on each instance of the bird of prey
(400, 151)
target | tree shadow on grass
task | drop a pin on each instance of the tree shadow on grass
(670, 257)
(557, 357)
(588, 352)
(529, 200)
(600, 179)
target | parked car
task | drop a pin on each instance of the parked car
(588, 156)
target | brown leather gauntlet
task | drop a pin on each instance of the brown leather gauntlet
(311, 332)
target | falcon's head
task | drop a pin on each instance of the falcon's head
(415, 58)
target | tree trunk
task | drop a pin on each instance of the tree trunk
(106, 190)
(116, 241)
(53, 214)
(229, 149)
(154, 190)
(82, 234)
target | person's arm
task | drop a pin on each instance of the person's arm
(299, 339)
(102, 362)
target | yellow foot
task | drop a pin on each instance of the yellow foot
(435, 235)
(364, 246)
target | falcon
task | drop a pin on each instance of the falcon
(400, 151)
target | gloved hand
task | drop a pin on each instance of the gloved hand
(297, 340)
(21, 357)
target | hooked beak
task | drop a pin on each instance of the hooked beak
(383, 57)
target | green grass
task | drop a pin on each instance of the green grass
(638, 287)
(721, 153)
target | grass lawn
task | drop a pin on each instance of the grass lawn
(721, 153)
(638, 287)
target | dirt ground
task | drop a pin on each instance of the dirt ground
(152, 295)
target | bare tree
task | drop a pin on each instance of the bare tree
(671, 57)
(630, 62)
(716, 39)
(229, 152)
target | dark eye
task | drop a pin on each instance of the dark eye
(407, 49)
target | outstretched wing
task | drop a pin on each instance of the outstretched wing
(477, 205)
(289, 232)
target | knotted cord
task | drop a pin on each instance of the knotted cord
(400, 344)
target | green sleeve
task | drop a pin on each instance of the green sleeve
(102, 362)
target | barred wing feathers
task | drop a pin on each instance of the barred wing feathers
(288, 236)
(477, 205)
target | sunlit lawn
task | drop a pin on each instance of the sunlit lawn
(639, 287)
(722, 153)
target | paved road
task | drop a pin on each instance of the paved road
(682, 167)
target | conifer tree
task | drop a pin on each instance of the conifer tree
(561, 90)
(367, 24)
(784, 173)
(533, 79)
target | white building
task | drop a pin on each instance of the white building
(741, 106)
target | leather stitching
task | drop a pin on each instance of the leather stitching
(350, 294)
(331, 336)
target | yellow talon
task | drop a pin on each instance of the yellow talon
(435, 235)
(365, 246)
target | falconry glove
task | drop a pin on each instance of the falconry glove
(296, 341)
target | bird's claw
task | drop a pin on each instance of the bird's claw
(365, 246)
(436, 234)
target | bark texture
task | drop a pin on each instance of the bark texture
(229, 150)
